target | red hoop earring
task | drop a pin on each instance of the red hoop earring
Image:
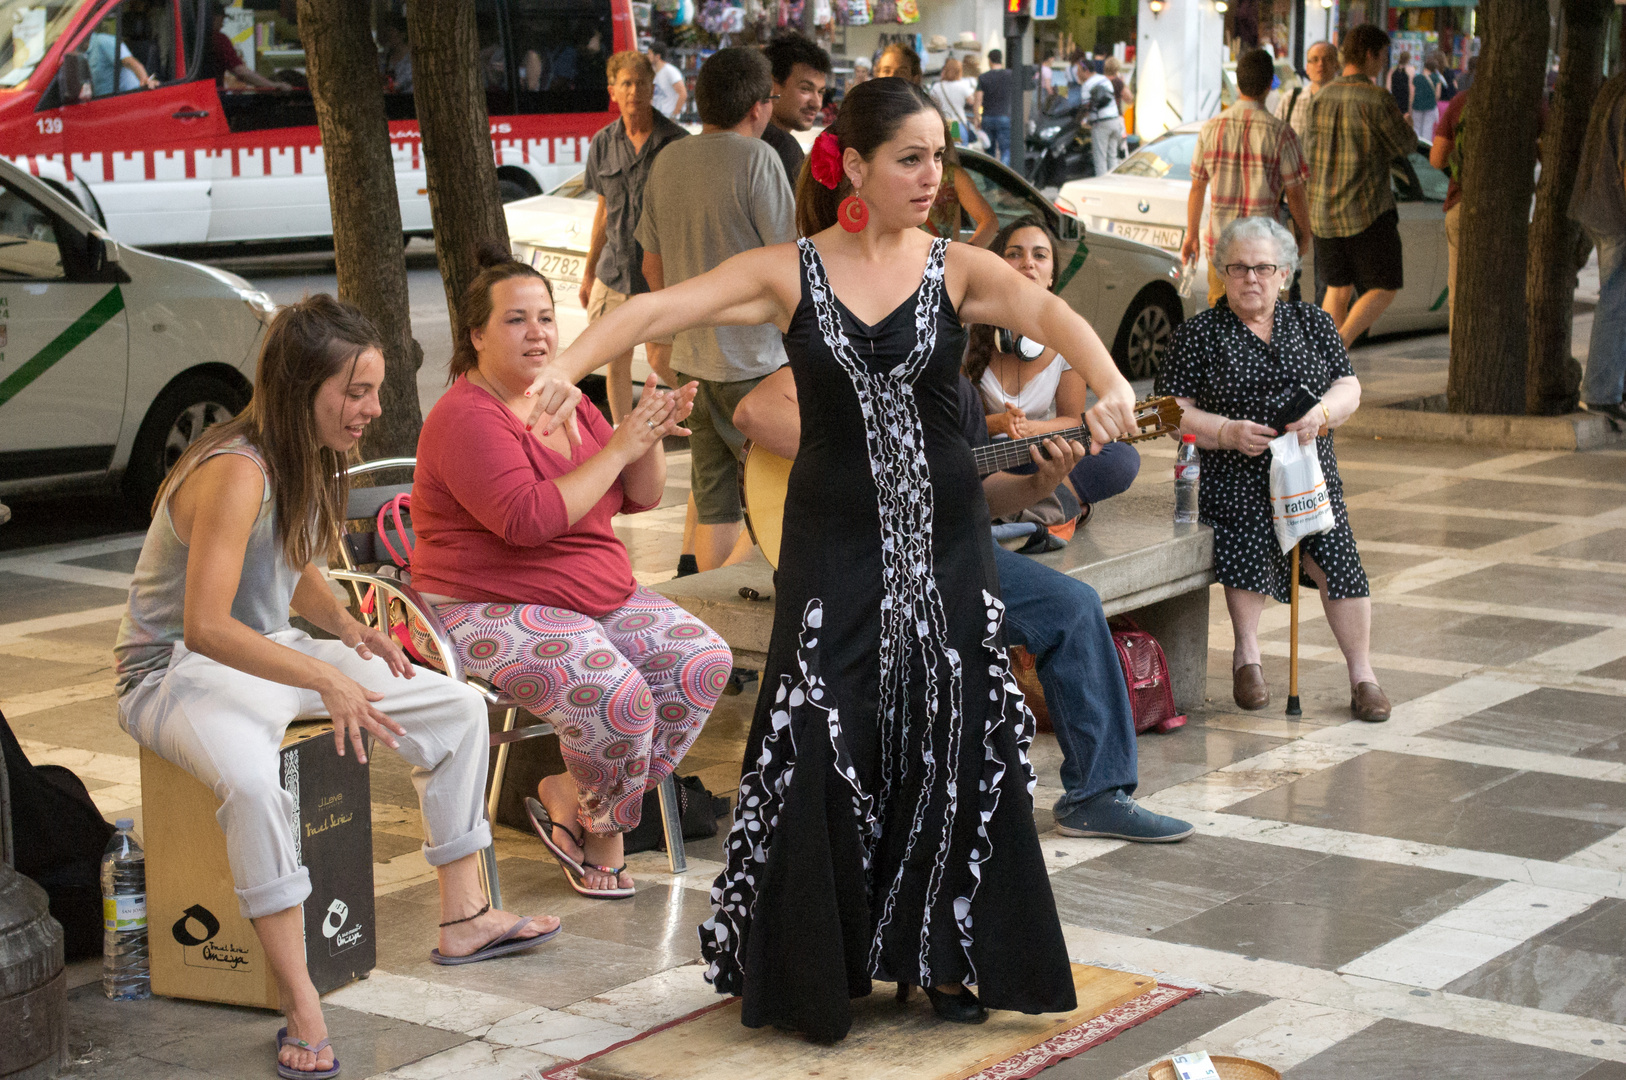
(853, 214)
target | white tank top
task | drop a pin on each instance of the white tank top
(1037, 397)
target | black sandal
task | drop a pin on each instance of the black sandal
(544, 827)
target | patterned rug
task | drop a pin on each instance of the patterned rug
(1019, 1066)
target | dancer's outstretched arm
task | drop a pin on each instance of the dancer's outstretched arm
(752, 288)
(998, 295)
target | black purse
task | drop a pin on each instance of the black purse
(698, 809)
(1292, 406)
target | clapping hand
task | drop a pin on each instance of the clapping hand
(1013, 423)
(555, 400)
(659, 413)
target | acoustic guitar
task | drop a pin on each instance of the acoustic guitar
(765, 476)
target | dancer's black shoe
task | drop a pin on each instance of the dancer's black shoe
(961, 1008)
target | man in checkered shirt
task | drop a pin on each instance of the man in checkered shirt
(1251, 160)
(1355, 133)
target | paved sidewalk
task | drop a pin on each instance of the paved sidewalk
(1441, 895)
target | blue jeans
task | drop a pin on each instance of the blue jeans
(1605, 381)
(1101, 476)
(1059, 620)
(998, 129)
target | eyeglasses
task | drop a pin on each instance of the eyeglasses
(771, 97)
(1238, 271)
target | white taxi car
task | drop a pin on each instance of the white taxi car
(112, 359)
(1144, 199)
(1126, 289)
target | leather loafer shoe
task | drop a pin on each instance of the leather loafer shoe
(1369, 703)
(1248, 687)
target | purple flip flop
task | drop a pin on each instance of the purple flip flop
(501, 946)
(288, 1072)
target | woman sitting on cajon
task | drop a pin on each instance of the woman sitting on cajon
(210, 673)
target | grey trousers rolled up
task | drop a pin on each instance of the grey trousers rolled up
(225, 727)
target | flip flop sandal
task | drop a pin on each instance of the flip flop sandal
(578, 882)
(544, 827)
(288, 1072)
(500, 946)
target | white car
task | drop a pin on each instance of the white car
(1145, 199)
(1127, 290)
(112, 359)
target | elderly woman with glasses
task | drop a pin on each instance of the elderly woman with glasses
(1235, 369)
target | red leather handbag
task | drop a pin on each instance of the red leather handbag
(1146, 673)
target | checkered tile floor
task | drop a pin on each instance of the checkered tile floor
(1441, 895)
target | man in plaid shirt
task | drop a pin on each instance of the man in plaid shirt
(1355, 133)
(1251, 160)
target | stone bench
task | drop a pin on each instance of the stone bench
(1131, 553)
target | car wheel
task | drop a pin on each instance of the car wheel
(175, 420)
(1143, 339)
(512, 190)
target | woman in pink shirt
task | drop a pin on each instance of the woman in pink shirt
(516, 550)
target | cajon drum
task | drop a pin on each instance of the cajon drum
(200, 946)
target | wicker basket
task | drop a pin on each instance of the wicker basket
(1229, 1068)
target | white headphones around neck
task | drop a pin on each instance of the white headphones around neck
(1024, 349)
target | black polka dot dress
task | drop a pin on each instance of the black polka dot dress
(1216, 361)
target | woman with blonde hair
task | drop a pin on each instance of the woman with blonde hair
(210, 673)
(952, 96)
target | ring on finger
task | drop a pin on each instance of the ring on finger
(650, 422)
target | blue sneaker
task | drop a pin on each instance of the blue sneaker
(1115, 816)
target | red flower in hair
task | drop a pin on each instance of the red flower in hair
(825, 161)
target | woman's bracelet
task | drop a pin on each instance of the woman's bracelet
(1219, 436)
(1326, 413)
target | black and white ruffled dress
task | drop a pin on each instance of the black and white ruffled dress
(885, 820)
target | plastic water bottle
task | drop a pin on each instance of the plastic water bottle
(1188, 278)
(1187, 473)
(124, 917)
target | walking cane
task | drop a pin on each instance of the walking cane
(1293, 639)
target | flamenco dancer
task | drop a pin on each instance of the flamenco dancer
(885, 826)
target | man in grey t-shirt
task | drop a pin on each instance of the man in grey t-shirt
(708, 198)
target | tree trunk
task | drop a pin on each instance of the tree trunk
(1553, 380)
(342, 63)
(449, 89)
(1498, 176)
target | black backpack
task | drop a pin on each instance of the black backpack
(59, 837)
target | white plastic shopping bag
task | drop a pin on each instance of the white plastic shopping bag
(1299, 505)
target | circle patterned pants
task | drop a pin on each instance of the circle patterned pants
(627, 692)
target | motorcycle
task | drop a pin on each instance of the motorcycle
(1058, 144)
(1059, 147)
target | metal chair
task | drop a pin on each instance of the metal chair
(391, 582)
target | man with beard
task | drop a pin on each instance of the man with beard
(800, 70)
